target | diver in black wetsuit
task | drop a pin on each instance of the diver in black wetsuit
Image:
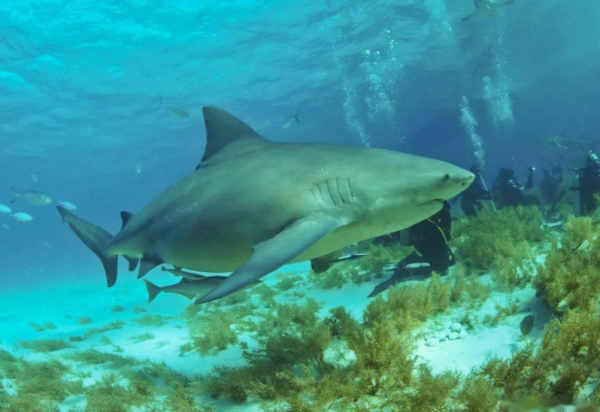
(589, 184)
(470, 199)
(430, 239)
(508, 190)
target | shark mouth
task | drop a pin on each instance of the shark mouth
(432, 201)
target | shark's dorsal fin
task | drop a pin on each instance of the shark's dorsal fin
(222, 129)
(125, 216)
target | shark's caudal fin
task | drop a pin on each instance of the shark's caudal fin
(97, 239)
(152, 289)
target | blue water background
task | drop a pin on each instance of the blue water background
(82, 82)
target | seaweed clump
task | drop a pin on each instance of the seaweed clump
(40, 386)
(566, 361)
(570, 278)
(46, 345)
(497, 234)
(304, 361)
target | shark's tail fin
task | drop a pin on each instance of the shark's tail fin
(95, 238)
(17, 194)
(152, 289)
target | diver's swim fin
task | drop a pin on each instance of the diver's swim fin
(95, 238)
(274, 253)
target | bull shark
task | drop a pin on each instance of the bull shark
(253, 205)
(486, 7)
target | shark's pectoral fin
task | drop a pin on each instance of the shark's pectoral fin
(276, 252)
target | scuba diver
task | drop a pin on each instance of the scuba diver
(530, 178)
(430, 239)
(508, 190)
(589, 185)
(470, 199)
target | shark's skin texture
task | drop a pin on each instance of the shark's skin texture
(253, 205)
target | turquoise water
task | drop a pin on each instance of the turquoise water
(102, 108)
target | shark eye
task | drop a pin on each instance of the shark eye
(446, 177)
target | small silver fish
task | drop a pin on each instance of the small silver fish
(291, 120)
(48, 245)
(22, 217)
(526, 324)
(5, 209)
(33, 198)
(175, 111)
(67, 205)
(138, 167)
(34, 178)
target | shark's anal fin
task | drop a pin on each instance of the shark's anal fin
(276, 252)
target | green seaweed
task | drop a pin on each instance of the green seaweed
(570, 279)
(94, 357)
(143, 337)
(84, 320)
(151, 320)
(117, 324)
(45, 345)
(480, 241)
(287, 282)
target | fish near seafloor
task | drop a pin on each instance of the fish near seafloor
(5, 209)
(526, 324)
(186, 287)
(252, 206)
(291, 120)
(33, 198)
(22, 217)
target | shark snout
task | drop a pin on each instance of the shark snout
(453, 183)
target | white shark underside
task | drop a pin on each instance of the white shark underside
(253, 205)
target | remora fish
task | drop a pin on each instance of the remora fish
(186, 287)
(183, 273)
(34, 198)
(252, 205)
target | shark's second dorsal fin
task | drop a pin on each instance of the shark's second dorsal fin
(222, 129)
(125, 216)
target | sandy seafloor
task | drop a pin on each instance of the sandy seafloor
(63, 304)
